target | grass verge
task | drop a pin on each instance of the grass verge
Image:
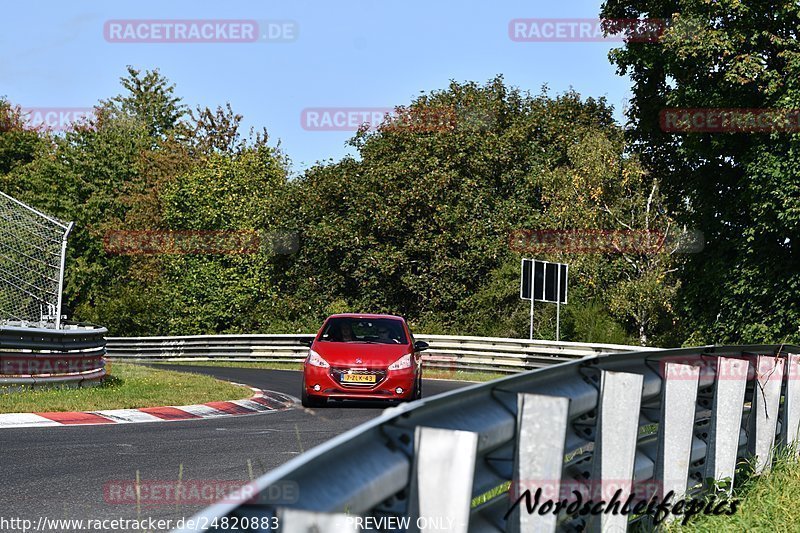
(129, 386)
(234, 364)
(428, 373)
(766, 503)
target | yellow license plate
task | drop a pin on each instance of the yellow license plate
(358, 378)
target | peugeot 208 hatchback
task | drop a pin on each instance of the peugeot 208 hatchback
(363, 357)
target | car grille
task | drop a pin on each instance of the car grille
(336, 373)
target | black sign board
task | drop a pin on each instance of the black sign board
(545, 281)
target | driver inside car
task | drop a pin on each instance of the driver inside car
(346, 332)
(389, 335)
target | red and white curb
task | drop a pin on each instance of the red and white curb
(262, 401)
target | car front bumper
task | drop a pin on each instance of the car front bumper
(326, 383)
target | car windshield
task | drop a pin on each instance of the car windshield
(364, 330)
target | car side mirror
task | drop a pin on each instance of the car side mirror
(307, 342)
(420, 345)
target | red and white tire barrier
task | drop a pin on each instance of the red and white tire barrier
(262, 401)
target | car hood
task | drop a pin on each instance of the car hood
(371, 355)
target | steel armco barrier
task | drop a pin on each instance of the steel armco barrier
(44, 357)
(666, 419)
(445, 352)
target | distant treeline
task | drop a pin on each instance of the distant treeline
(185, 225)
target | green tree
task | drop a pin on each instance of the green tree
(233, 291)
(103, 175)
(149, 100)
(19, 145)
(740, 189)
(600, 190)
(420, 225)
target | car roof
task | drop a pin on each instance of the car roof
(365, 315)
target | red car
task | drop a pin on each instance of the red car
(363, 357)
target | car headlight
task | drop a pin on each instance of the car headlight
(400, 364)
(314, 359)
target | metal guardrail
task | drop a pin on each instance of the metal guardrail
(34, 357)
(445, 352)
(668, 419)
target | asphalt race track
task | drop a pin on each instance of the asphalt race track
(66, 472)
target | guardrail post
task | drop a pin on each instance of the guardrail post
(615, 444)
(790, 425)
(764, 413)
(441, 482)
(675, 432)
(300, 521)
(730, 383)
(538, 458)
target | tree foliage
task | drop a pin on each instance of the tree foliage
(419, 224)
(741, 189)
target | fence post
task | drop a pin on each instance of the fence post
(764, 413)
(441, 479)
(730, 383)
(676, 430)
(790, 425)
(62, 265)
(538, 458)
(615, 444)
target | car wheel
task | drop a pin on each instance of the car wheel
(416, 391)
(310, 401)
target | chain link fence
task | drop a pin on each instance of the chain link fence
(32, 250)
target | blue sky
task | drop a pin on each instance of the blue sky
(353, 54)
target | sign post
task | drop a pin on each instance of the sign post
(558, 307)
(544, 281)
(532, 300)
